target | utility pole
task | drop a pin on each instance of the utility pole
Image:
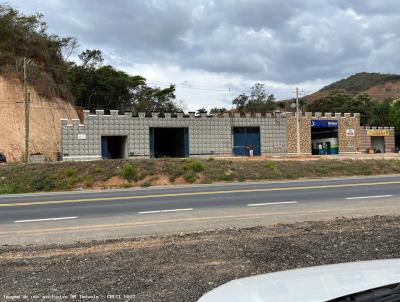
(298, 121)
(26, 102)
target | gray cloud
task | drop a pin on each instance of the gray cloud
(282, 41)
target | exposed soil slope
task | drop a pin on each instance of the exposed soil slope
(45, 118)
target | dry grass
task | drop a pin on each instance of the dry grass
(16, 178)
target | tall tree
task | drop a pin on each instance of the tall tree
(149, 99)
(257, 101)
(394, 115)
(201, 110)
(339, 101)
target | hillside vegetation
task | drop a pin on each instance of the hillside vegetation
(373, 95)
(85, 80)
(361, 82)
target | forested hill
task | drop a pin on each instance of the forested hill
(361, 82)
(85, 81)
(377, 86)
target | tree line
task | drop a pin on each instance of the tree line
(86, 81)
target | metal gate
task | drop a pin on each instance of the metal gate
(246, 139)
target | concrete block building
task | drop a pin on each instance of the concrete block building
(115, 135)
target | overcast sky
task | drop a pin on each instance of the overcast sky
(214, 50)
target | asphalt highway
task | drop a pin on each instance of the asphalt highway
(86, 215)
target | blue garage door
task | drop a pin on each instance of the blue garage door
(245, 139)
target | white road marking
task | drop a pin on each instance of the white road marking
(366, 197)
(46, 219)
(269, 203)
(165, 211)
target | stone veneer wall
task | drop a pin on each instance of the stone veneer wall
(347, 144)
(305, 133)
(366, 140)
(208, 135)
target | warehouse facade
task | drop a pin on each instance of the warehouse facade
(157, 135)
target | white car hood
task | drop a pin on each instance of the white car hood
(318, 283)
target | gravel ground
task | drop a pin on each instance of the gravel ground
(182, 267)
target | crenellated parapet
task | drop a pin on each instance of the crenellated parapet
(171, 116)
(377, 128)
(326, 115)
(115, 114)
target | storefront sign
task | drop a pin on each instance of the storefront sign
(81, 136)
(378, 132)
(324, 123)
(350, 132)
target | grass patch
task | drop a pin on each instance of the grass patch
(88, 181)
(98, 170)
(191, 168)
(129, 172)
(270, 165)
(195, 166)
(71, 172)
(46, 183)
(7, 189)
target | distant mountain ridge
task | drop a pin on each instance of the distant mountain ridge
(377, 85)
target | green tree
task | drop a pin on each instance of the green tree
(217, 110)
(394, 115)
(257, 101)
(339, 101)
(201, 110)
(149, 99)
(379, 115)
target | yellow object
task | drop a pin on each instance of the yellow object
(378, 132)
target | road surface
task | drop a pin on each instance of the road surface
(86, 215)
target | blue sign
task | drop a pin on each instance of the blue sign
(324, 123)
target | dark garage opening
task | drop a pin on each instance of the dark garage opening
(113, 147)
(169, 142)
(246, 139)
(378, 144)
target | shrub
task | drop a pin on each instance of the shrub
(195, 166)
(71, 172)
(40, 183)
(270, 165)
(226, 177)
(88, 181)
(98, 170)
(73, 180)
(7, 189)
(190, 176)
(129, 172)
(211, 158)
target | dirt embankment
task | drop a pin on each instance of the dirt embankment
(45, 118)
(184, 267)
(105, 174)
